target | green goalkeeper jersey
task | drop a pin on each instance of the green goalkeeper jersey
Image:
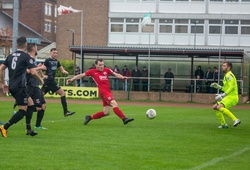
(230, 86)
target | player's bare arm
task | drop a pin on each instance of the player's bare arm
(62, 70)
(75, 78)
(36, 75)
(42, 74)
(119, 76)
(38, 68)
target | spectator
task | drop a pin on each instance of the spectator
(144, 73)
(125, 72)
(208, 77)
(136, 81)
(199, 74)
(78, 71)
(168, 80)
(115, 84)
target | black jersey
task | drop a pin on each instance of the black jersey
(51, 65)
(17, 63)
(31, 80)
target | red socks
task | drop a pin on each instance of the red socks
(98, 115)
(116, 110)
(119, 113)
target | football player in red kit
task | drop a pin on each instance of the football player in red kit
(100, 76)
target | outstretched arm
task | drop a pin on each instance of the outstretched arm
(75, 78)
(119, 76)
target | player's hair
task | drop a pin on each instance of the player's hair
(30, 47)
(98, 59)
(52, 49)
(229, 64)
(21, 41)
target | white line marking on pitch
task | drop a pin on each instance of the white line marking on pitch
(216, 160)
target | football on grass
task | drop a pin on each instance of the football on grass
(151, 113)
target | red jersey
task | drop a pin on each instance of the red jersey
(101, 79)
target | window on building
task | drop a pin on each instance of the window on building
(47, 26)
(245, 26)
(7, 5)
(132, 25)
(231, 26)
(214, 26)
(116, 24)
(181, 26)
(216, 0)
(48, 9)
(197, 26)
(245, 0)
(165, 25)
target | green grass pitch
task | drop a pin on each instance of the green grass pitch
(178, 138)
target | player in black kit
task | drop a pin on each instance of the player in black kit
(17, 63)
(49, 82)
(34, 91)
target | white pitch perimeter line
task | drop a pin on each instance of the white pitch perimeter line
(216, 160)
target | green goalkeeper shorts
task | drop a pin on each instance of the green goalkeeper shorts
(229, 101)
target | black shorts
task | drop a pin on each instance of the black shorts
(21, 96)
(37, 96)
(50, 86)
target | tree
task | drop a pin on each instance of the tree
(6, 39)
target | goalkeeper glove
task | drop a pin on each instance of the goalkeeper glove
(215, 85)
(219, 97)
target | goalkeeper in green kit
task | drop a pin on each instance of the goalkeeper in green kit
(227, 99)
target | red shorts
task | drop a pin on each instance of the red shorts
(106, 99)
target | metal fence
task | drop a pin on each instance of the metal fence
(157, 84)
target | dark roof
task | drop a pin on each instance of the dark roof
(133, 51)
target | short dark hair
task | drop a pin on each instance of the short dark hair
(98, 59)
(52, 49)
(229, 64)
(21, 41)
(30, 47)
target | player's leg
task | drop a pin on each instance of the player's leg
(227, 103)
(119, 113)
(40, 113)
(21, 100)
(98, 115)
(31, 108)
(220, 116)
(60, 91)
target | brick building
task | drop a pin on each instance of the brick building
(39, 15)
(95, 25)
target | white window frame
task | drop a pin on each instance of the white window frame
(7, 5)
(48, 8)
(47, 25)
